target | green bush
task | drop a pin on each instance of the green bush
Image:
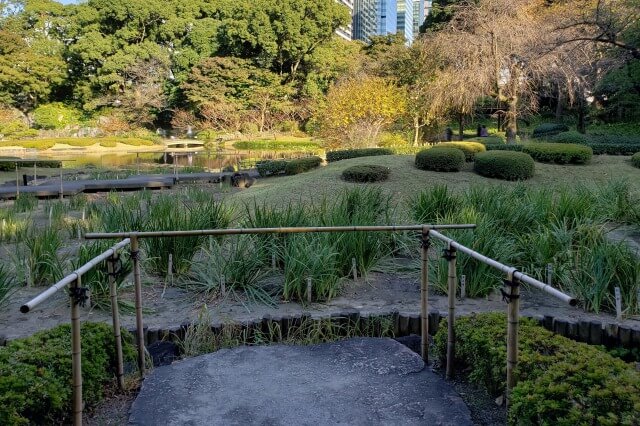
(301, 165)
(505, 165)
(392, 140)
(559, 153)
(355, 153)
(616, 139)
(42, 144)
(635, 160)
(288, 126)
(208, 135)
(35, 373)
(613, 148)
(487, 140)
(271, 167)
(9, 165)
(441, 159)
(55, 116)
(546, 130)
(366, 173)
(249, 128)
(571, 137)
(559, 381)
(470, 149)
(503, 147)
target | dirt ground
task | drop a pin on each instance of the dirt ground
(378, 293)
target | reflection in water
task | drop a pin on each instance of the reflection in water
(206, 160)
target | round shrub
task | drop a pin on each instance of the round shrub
(486, 140)
(55, 116)
(546, 130)
(571, 137)
(507, 165)
(440, 160)
(559, 153)
(469, 149)
(635, 160)
(366, 173)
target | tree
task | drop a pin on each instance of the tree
(358, 109)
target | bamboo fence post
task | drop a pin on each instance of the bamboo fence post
(135, 256)
(17, 181)
(76, 351)
(513, 300)
(35, 172)
(424, 295)
(115, 316)
(61, 187)
(450, 255)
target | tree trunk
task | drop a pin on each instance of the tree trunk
(461, 126)
(512, 113)
(582, 122)
(560, 104)
(416, 130)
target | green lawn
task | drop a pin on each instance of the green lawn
(406, 181)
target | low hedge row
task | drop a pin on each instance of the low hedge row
(441, 159)
(559, 381)
(277, 145)
(549, 129)
(355, 153)
(469, 149)
(614, 148)
(35, 373)
(505, 165)
(108, 142)
(301, 165)
(366, 173)
(8, 165)
(271, 167)
(559, 153)
(503, 147)
(635, 160)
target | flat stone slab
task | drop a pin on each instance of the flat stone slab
(362, 381)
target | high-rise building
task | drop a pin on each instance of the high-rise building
(386, 17)
(405, 19)
(364, 19)
(347, 32)
(419, 7)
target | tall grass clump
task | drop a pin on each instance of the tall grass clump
(167, 213)
(7, 284)
(229, 266)
(359, 206)
(431, 206)
(310, 256)
(44, 263)
(97, 278)
(25, 203)
(12, 229)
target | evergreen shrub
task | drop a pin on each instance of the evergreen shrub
(635, 160)
(571, 137)
(559, 153)
(469, 149)
(301, 165)
(546, 130)
(559, 381)
(505, 165)
(271, 167)
(35, 373)
(441, 159)
(366, 173)
(355, 153)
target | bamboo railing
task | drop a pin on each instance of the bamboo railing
(513, 278)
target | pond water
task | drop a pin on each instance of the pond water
(206, 160)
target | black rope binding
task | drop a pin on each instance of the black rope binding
(116, 262)
(506, 297)
(80, 295)
(426, 243)
(135, 254)
(448, 254)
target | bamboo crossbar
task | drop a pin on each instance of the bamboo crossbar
(506, 269)
(292, 230)
(72, 277)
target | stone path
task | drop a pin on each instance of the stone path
(362, 381)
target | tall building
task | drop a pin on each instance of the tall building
(386, 17)
(347, 32)
(419, 8)
(405, 19)
(364, 19)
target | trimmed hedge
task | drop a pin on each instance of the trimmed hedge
(366, 173)
(301, 165)
(283, 145)
(488, 139)
(549, 129)
(503, 147)
(441, 159)
(469, 149)
(271, 167)
(108, 142)
(35, 373)
(614, 148)
(8, 165)
(355, 153)
(559, 153)
(559, 381)
(505, 165)
(571, 137)
(635, 160)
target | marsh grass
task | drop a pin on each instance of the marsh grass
(7, 284)
(97, 278)
(200, 337)
(25, 203)
(43, 260)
